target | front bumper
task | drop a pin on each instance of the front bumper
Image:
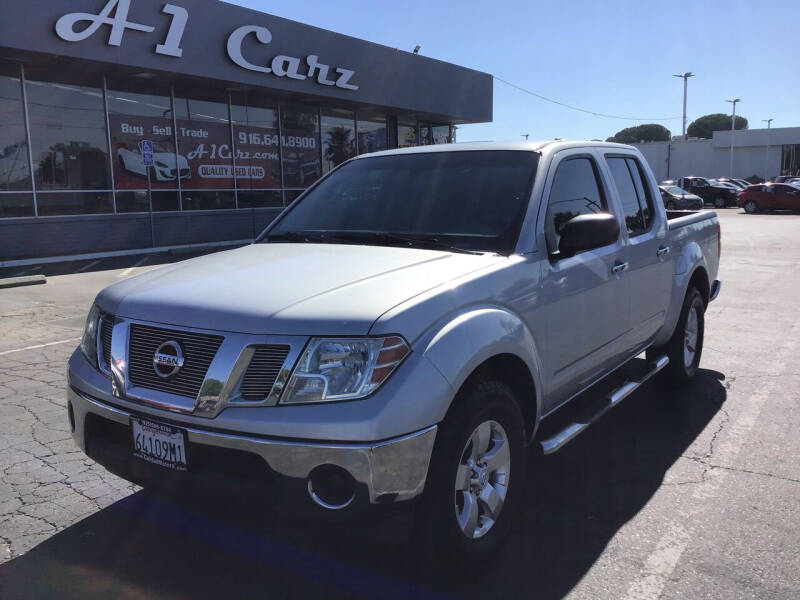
(384, 472)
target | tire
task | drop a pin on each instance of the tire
(453, 485)
(720, 202)
(750, 207)
(671, 205)
(683, 365)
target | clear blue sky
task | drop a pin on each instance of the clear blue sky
(609, 56)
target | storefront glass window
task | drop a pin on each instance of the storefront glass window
(425, 136)
(258, 167)
(14, 171)
(372, 132)
(300, 146)
(406, 134)
(204, 146)
(338, 137)
(790, 159)
(69, 144)
(441, 134)
(133, 118)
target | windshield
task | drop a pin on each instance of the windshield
(469, 200)
(676, 191)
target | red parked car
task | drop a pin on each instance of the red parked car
(769, 196)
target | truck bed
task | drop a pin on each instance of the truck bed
(681, 218)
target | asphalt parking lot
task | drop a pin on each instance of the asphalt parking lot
(690, 495)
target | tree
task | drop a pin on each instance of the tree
(705, 126)
(649, 132)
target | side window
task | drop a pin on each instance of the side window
(642, 191)
(631, 209)
(575, 191)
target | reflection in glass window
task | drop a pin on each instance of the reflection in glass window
(441, 134)
(14, 171)
(642, 191)
(204, 142)
(300, 146)
(338, 137)
(372, 132)
(69, 144)
(255, 136)
(575, 191)
(73, 203)
(627, 195)
(406, 134)
(133, 118)
(425, 134)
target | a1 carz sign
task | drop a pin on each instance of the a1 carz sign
(76, 27)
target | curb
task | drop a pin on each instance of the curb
(10, 282)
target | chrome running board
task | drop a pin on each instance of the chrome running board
(577, 426)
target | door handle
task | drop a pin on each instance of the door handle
(663, 251)
(619, 267)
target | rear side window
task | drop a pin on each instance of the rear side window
(637, 204)
(575, 191)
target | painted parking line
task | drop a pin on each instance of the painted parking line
(139, 263)
(39, 346)
(88, 266)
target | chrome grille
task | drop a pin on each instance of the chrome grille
(106, 327)
(198, 352)
(263, 371)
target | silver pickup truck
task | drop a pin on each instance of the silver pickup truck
(405, 330)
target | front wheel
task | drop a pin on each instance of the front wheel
(750, 207)
(476, 477)
(720, 202)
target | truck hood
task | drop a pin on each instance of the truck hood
(287, 289)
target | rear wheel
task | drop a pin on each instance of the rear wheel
(685, 346)
(476, 477)
(750, 207)
(720, 202)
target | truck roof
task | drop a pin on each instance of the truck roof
(532, 146)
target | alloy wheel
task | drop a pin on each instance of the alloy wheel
(690, 336)
(482, 479)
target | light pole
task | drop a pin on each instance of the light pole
(685, 78)
(766, 152)
(733, 128)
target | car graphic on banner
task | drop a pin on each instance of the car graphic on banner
(165, 166)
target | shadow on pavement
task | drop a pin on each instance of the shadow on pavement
(153, 546)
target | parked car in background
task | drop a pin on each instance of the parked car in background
(744, 182)
(676, 198)
(711, 191)
(770, 196)
(736, 183)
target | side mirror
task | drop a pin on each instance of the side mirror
(586, 232)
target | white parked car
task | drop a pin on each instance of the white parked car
(164, 166)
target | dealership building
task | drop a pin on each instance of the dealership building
(764, 153)
(133, 124)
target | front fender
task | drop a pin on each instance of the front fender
(467, 340)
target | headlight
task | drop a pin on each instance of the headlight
(89, 340)
(343, 368)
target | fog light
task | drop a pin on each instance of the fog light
(331, 487)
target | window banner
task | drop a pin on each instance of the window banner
(130, 173)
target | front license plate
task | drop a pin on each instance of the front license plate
(160, 444)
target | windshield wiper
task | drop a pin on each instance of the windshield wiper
(306, 237)
(417, 242)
